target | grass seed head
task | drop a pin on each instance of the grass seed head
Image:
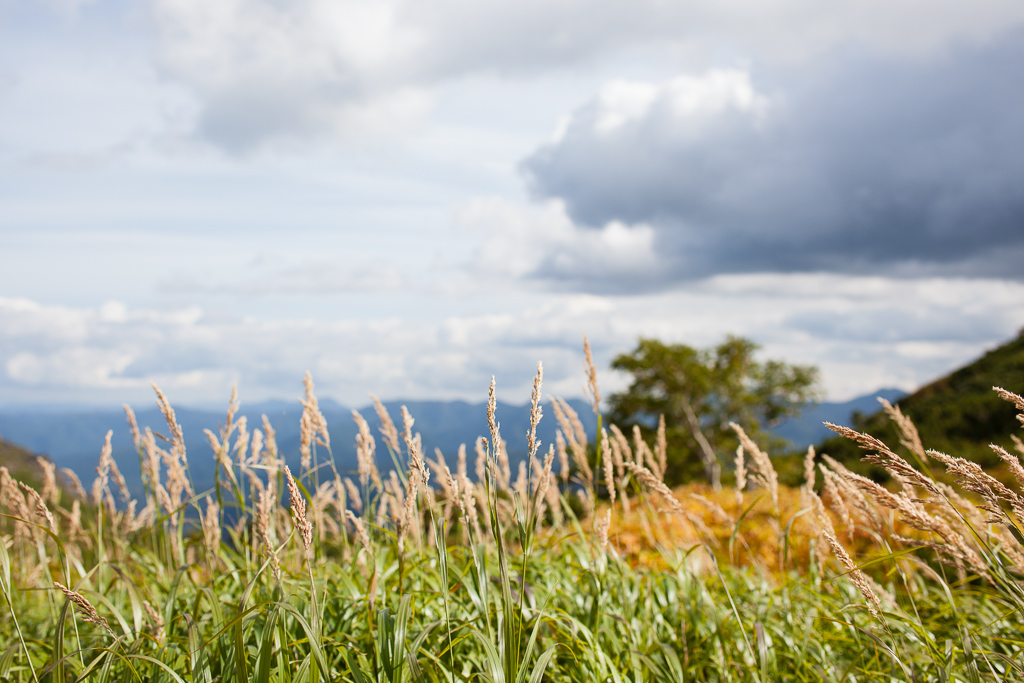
(85, 608)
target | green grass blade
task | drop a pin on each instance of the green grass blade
(197, 656)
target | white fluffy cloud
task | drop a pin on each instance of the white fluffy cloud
(264, 69)
(863, 332)
(859, 164)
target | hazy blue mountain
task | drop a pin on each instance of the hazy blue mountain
(73, 437)
(807, 429)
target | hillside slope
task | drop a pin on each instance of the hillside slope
(958, 414)
(20, 462)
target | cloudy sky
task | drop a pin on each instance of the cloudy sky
(405, 197)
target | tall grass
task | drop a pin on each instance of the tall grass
(591, 571)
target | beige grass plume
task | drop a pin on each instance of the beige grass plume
(741, 475)
(85, 608)
(647, 478)
(265, 529)
(387, 426)
(50, 490)
(298, 505)
(764, 472)
(607, 463)
(536, 412)
(576, 437)
(40, 506)
(591, 389)
(857, 577)
(312, 424)
(366, 452)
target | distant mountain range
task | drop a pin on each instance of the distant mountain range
(809, 427)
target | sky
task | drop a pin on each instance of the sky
(405, 198)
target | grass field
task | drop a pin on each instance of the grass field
(579, 566)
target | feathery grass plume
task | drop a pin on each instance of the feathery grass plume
(900, 469)
(764, 473)
(494, 427)
(50, 490)
(14, 501)
(1013, 398)
(867, 512)
(644, 453)
(505, 467)
(615, 451)
(228, 428)
(909, 436)
(914, 514)
(177, 438)
(102, 471)
(219, 450)
(242, 440)
(451, 486)
(536, 412)
(85, 608)
(1017, 443)
(311, 405)
(857, 577)
(480, 465)
(576, 438)
(257, 446)
(76, 483)
(661, 446)
(298, 506)
(971, 477)
(470, 497)
(265, 529)
(151, 462)
(269, 440)
(835, 500)
(156, 620)
(361, 533)
(461, 468)
(39, 506)
(211, 530)
(1012, 463)
(591, 389)
(387, 426)
(809, 478)
(366, 452)
(625, 450)
(323, 499)
(647, 478)
(418, 476)
(133, 426)
(355, 500)
(544, 484)
(115, 474)
(563, 457)
(75, 531)
(717, 511)
(741, 475)
(522, 484)
(609, 467)
(602, 525)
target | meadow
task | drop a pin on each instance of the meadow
(579, 565)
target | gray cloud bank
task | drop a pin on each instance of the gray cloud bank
(855, 164)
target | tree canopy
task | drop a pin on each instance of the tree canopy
(700, 391)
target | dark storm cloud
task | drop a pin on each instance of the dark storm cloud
(854, 164)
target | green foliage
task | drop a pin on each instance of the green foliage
(957, 414)
(700, 391)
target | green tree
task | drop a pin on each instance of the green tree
(700, 391)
